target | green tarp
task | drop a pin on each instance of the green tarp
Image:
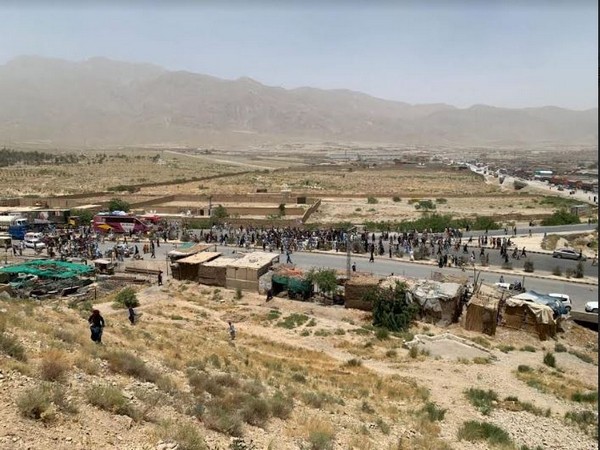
(294, 285)
(50, 269)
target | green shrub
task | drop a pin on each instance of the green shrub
(223, 420)
(582, 356)
(561, 217)
(391, 308)
(120, 361)
(482, 431)
(396, 199)
(372, 200)
(126, 298)
(382, 334)
(549, 360)
(10, 345)
(482, 400)
(292, 321)
(433, 412)
(34, 403)
(582, 418)
(353, 362)
(255, 411)
(281, 406)
(184, 434)
(559, 348)
(441, 200)
(238, 293)
(585, 397)
(522, 368)
(528, 348)
(112, 400)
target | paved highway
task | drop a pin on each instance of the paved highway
(579, 293)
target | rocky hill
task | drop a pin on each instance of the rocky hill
(298, 376)
(104, 102)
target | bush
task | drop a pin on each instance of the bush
(127, 363)
(320, 435)
(281, 406)
(559, 348)
(523, 368)
(482, 400)
(184, 434)
(561, 217)
(10, 345)
(432, 412)
(238, 293)
(528, 266)
(582, 418)
(396, 199)
(54, 366)
(441, 200)
(587, 397)
(353, 362)
(221, 419)
(117, 204)
(112, 400)
(255, 411)
(372, 200)
(126, 298)
(557, 271)
(550, 360)
(37, 402)
(382, 334)
(391, 308)
(482, 431)
(34, 403)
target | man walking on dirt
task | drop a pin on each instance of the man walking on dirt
(159, 277)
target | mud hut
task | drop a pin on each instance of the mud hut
(439, 303)
(356, 290)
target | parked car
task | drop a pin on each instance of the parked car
(564, 298)
(591, 307)
(568, 253)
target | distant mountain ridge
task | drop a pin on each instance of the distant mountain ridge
(105, 102)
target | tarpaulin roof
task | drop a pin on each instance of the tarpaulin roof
(532, 296)
(50, 269)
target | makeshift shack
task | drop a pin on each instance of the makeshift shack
(482, 314)
(439, 303)
(244, 272)
(214, 272)
(291, 280)
(531, 317)
(356, 290)
(189, 268)
(188, 249)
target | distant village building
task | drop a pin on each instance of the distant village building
(543, 174)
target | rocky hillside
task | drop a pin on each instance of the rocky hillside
(104, 102)
(297, 376)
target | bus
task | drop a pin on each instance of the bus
(16, 226)
(117, 223)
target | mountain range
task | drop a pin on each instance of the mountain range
(100, 102)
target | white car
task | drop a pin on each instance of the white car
(564, 298)
(34, 243)
(591, 307)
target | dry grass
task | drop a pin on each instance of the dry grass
(54, 365)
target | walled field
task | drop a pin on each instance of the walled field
(99, 171)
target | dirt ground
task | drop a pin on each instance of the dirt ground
(183, 322)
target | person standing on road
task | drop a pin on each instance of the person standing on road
(160, 279)
(523, 253)
(354, 267)
(288, 259)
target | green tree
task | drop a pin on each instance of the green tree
(118, 204)
(126, 298)
(325, 279)
(391, 307)
(219, 213)
(561, 217)
(85, 216)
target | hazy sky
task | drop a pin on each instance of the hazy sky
(502, 53)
